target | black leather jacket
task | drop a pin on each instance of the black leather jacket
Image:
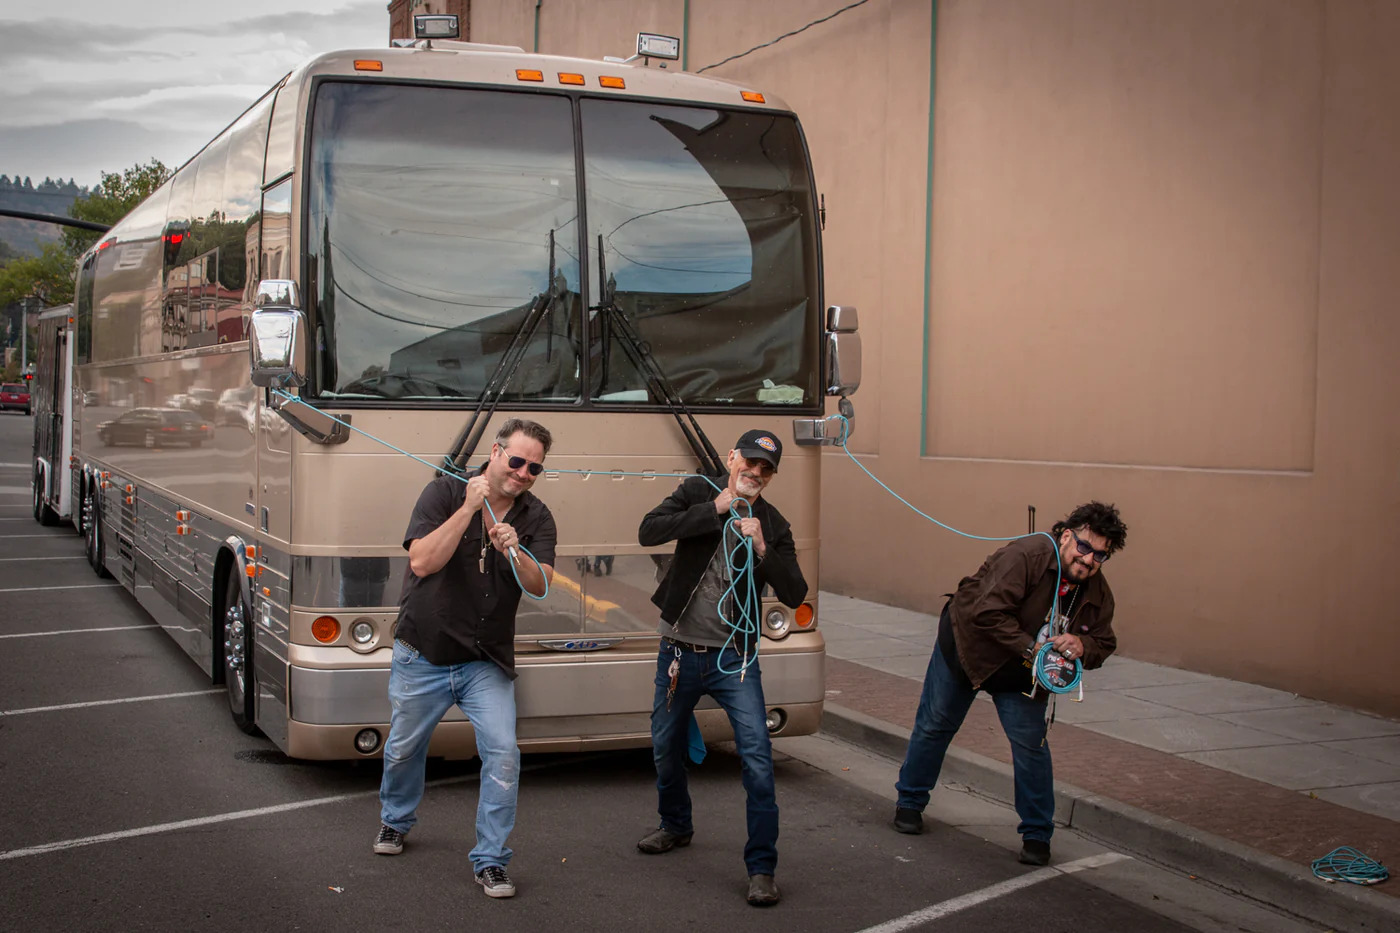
(688, 517)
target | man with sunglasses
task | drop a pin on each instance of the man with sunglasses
(989, 632)
(455, 637)
(705, 590)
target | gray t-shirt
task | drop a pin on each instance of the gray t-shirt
(700, 623)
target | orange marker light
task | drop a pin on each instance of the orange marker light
(607, 81)
(804, 617)
(752, 97)
(527, 74)
(566, 78)
(368, 64)
(250, 551)
(326, 629)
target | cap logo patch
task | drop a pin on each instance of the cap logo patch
(766, 443)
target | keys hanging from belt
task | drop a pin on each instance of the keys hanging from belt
(674, 672)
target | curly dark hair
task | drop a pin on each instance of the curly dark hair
(1101, 520)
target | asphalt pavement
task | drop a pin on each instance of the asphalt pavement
(132, 803)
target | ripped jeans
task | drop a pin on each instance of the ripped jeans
(420, 693)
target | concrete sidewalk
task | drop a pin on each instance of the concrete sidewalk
(1234, 783)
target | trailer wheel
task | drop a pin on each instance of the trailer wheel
(238, 655)
(92, 535)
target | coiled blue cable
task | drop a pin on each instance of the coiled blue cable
(1347, 864)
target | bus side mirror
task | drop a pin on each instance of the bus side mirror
(275, 335)
(842, 378)
(842, 350)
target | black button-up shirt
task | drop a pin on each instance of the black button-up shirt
(460, 613)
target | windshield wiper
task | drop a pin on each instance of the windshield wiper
(465, 445)
(638, 351)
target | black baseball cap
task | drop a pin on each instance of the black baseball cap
(761, 445)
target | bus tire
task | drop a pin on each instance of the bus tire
(95, 546)
(238, 655)
(42, 513)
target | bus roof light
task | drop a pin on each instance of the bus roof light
(610, 81)
(652, 45)
(568, 78)
(752, 97)
(368, 64)
(528, 74)
(435, 26)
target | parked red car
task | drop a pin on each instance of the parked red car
(14, 396)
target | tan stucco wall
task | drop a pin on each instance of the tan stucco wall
(1162, 273)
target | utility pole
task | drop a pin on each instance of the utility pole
(24, 334)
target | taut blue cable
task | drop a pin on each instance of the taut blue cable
(745, 625)
(1039, 668)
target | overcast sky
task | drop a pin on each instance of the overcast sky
(99, 85)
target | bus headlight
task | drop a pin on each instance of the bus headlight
(776, 622)
(775, 721)
(366, 741)
(362, 632)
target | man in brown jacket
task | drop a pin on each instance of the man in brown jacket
(988, 635)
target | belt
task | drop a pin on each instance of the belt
(698, 649)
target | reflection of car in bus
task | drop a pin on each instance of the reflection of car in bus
(413, 249)
(155, 427)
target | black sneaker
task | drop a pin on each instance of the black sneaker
(908, 820)
(1034, 852)
(495, 882)
(389, 841)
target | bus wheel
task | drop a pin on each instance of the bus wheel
(42, 513)
(92, 535)
(238, 656)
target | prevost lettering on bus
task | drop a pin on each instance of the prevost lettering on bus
(422, 238)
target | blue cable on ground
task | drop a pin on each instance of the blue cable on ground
(1347, 864)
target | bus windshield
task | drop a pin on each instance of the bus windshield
(443, 221)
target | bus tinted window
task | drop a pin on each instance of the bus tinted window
(704, 250)
(438, 218)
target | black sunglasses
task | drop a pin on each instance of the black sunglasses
(516, 463)
(1084, 547)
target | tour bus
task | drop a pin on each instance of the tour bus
(390, 253)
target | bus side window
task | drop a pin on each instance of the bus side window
(83, 310)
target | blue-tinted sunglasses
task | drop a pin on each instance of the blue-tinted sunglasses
(1084, 547)
(516, 463)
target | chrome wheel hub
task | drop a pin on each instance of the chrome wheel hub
(233, 641)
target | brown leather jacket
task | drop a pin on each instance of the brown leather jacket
(997, 611)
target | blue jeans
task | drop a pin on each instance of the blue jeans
(743, 702)
(944, 704)
(420, 693)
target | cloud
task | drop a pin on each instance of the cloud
(80, 149)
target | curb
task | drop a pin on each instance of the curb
(1248, 872)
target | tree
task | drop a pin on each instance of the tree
(113, 198)
(50, 274)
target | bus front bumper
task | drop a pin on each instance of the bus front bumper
(564, 702)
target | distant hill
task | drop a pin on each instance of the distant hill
(27, 237)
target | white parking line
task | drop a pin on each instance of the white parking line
(249, 814)
(78, 586)
(974, 898)
(159, 696)
(77, 631)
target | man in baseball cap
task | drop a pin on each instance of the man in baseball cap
(761, 445)
(703, 653)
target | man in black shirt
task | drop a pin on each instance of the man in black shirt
(455, 640)
(707, 589)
